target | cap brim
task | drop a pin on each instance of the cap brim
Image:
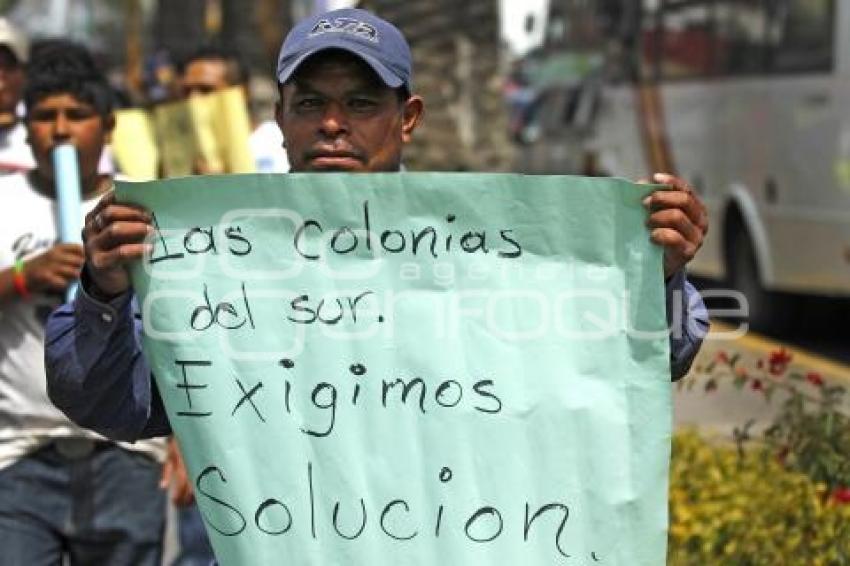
(387, 77)
(19, 51)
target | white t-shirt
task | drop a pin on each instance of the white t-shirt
(28, 419)
(267, 147)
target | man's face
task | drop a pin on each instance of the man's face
(62, 118)
(204, 76)
(336, 115)
(11, 80)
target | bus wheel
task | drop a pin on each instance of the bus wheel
(768, 312)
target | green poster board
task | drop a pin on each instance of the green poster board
(413, 368)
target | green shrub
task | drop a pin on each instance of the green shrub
(781, 498)
(748, 509)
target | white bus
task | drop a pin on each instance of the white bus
(750, 101)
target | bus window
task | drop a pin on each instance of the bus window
(681, 39)
(741, 27)
(801, 35)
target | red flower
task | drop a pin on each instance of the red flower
(779, 361)
(780, 356)
(757, 385)
(760, 364)
(814, 378)
(841, 495)
(721, 357)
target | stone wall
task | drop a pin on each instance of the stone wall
(458, 71)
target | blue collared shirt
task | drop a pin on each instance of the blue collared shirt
(98, 376)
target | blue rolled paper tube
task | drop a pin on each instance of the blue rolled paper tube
(66, 170)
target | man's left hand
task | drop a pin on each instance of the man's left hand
(678, 221)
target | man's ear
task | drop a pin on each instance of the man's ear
(278, 113)
(414, 107)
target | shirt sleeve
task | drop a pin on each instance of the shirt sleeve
(96, 372)
(687, 318)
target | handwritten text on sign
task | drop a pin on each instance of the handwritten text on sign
(412, 368)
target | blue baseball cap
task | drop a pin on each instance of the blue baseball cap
(377, 42)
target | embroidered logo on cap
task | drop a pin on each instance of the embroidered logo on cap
(346, 25)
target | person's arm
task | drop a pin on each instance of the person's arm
(678, 221)
(687, 318)
(96, 372)
(50, 271)
(175, 477)
(7, 286)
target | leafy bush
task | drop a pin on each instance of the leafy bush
(781, 498)
(747, 509)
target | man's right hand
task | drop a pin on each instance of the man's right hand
(114, 236)
(54, 269)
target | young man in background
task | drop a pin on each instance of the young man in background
(210, 69)
(64, 491)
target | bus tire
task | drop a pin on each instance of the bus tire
(767, 312)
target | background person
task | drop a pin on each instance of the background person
(63, 490)
(212, 68)
(15, 154)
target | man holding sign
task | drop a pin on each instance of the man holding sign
(346, 105)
